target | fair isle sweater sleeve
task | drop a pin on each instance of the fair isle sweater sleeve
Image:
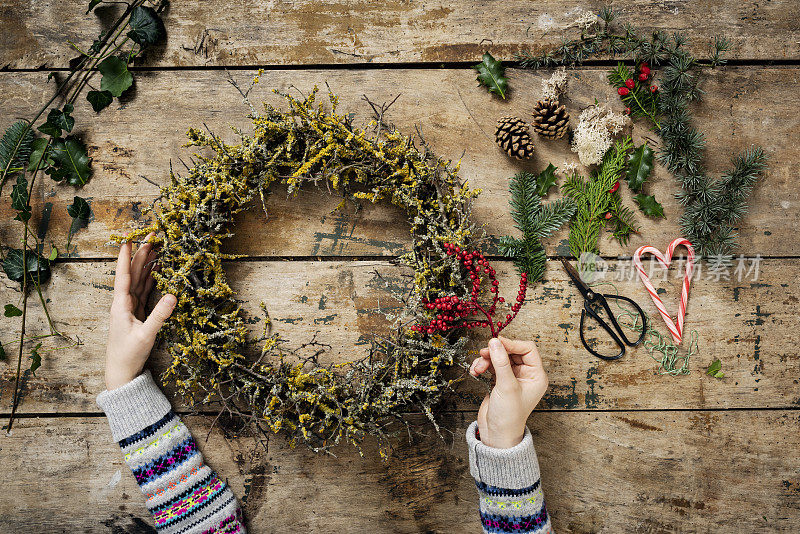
(509, 486)
(184, 495)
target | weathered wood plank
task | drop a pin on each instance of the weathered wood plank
(141, 137)
(202, 33)
(609, 472)
(752, 326)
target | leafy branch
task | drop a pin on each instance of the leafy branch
(64, 156)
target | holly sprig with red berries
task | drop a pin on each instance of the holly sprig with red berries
(454, 312)
(636, 91)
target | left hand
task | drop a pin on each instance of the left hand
(131, 335)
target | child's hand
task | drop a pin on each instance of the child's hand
(520, 383)
(130, 335)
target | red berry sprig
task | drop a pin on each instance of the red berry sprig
(453, 312)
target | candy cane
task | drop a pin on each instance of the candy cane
(675, 329)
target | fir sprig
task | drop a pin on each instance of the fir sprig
(535, 221)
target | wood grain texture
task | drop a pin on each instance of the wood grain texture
(752, 326)
(203, 33)
(143, 135)
(730, 471)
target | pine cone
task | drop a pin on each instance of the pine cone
(513, 137)
(550, 119)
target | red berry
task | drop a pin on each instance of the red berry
(654, 88)
(643, 77)
(623, 91)
(608, 215)
(644, 68)
(627, 111)
(629, 83)
(616, 186)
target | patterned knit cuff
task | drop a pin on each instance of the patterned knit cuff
(514, 468)
(134, 406)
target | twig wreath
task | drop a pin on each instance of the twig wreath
(319, 405)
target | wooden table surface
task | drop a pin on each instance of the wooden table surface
(622, 449)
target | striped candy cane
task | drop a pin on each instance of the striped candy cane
(675, 329)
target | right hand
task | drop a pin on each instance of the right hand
(520, 383)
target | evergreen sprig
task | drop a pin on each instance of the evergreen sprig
(535, 221)
(712, 208)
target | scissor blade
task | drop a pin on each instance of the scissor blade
(576, 277)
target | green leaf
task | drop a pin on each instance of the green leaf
(12, 311)
(79, 209)
(546, 180)
(15, 149)
(99, 99)
(70, 161)
(116, 78)
(36, 358)
(715, 369)
(2, 352)
(92, 5)
(146, 26)
(19, 194)
(491, 74)
(640, 165)
(40, 145)
(53, 253)
(649, 205)
(38, 268)
(58, 120)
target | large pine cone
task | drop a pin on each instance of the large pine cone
(513, 137)
(550, 119)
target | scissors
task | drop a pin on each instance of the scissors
(591, 301)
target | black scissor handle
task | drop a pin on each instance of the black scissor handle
(614, 332)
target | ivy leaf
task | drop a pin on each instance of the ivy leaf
(38, 268)
(99, 99)
(640, 165)
(2, 352)
(53, 253)
(715, 369)
(36, 358)
(40, 145)
(546, 180)
(491, 74)
(70, 161)
(147, 27)
(92, 5)
(12, 311)
(19, 194)
(79, 209)
(116, 78)
(58, 120)
(649, 205)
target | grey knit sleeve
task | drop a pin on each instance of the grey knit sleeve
(183, 494)
(509, 486)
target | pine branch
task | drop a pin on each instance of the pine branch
(15, 149)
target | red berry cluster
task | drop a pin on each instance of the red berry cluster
(630, 83)
(453, 312)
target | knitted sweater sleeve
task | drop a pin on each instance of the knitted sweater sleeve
(509, 486)
(183, 494)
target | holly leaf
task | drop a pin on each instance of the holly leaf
(649, 205)
(491, 74)
(93, 4)
(40, 145)
(57, 120)
(70, 161)
(640, 165)
(146, 26)
(38, 268)
(116, 77)
(99, 99)
(545, 180)
(36, 358)
(715, 369)
(12, 311)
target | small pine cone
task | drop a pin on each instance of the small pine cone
(513, 137)
(550, 119)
